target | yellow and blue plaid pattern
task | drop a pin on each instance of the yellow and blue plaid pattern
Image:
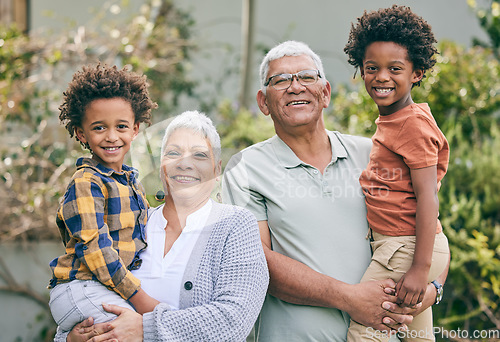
(102, 224)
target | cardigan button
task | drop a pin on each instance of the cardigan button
(188, 285)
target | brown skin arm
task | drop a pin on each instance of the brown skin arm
(143, 302)
(429, 298)
(411, 288)
(296, 283)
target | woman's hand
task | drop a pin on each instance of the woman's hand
(127, 327)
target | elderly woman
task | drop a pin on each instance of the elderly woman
(204, 261)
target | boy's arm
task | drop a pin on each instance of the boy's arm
(412, 286)
(429, 298)
(143, 302)
(83, 214)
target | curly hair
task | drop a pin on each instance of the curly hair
(104, 82)
(397, 24)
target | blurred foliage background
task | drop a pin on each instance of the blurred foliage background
(37, 157)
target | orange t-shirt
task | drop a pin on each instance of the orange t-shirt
(407, 139)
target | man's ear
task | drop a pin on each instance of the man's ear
(327, 94)
(80, 135)
(262, 102)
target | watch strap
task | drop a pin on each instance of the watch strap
(439, 291)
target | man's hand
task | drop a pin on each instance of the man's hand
(365, 305)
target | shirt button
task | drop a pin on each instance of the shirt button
(315, 172)
(136, 264)
(188, 285)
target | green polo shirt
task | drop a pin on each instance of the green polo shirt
(317, 219)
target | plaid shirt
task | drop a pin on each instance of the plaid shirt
(102, 224)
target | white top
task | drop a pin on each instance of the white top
(161, 276)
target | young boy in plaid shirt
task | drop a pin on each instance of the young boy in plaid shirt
(104, 212)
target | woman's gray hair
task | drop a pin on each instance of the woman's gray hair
(200, 124)
(286, 49)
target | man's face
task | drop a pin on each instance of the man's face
(297, 106)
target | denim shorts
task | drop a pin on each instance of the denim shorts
(71, 303)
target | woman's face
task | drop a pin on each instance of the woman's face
(188, 166)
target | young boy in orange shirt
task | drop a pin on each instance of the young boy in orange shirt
(393, 48)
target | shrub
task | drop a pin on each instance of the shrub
(469, 202)
(36, 155)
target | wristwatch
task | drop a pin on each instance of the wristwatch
(439, 289)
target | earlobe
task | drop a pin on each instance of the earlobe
(218, 171)
(262, 102)
(136, 130)
(418, 75)
(327, 93)
(219, 167)
(80, 135)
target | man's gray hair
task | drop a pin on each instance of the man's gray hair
(286, 49)
(200, 124)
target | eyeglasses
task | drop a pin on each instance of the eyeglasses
(283, 81)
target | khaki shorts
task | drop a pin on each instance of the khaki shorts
(392, 258)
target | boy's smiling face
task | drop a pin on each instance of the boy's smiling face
(389, 76)
(109, 128)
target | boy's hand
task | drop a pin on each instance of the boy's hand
(411, 288)
(83, 331)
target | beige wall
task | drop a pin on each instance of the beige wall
(323, 24)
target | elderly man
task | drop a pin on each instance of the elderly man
(302, 185)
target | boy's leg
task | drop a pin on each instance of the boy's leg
(70, 303)
(380, 268)
(422, 328)
(391, 259)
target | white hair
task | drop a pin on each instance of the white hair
(200, 124)
(286, 49)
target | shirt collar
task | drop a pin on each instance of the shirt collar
(106, 171)
(289, 159)
(195, 221)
